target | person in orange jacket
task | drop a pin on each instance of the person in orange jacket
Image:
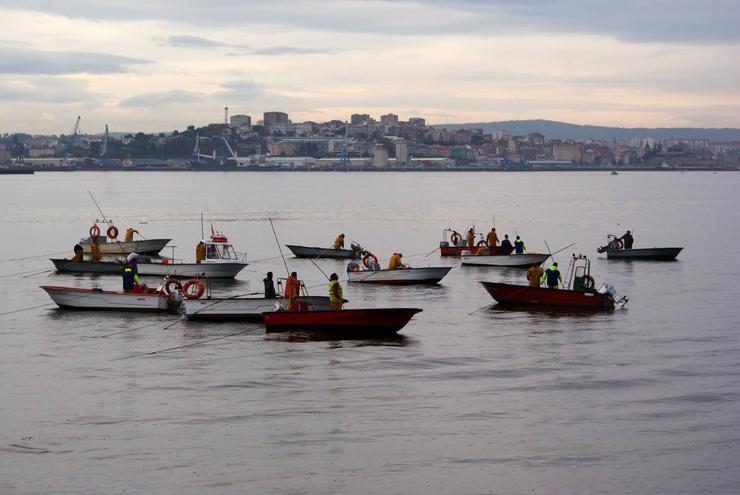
(292, 290)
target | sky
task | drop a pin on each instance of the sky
(162, 65)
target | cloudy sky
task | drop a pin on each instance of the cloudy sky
(161, 65)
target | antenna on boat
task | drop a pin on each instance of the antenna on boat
(279, 248)
(202, 235)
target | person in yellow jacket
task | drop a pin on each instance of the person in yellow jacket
(492, 238)
(339, 242)
(534, 275)
(78, 253)
(200, 252)
(336, 299)
(95, 250)
(395, 262)
(470, 237)
(129, 237)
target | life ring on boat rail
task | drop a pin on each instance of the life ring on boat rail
(455, 237)
(94, 231)
(366, 259)
(588, 282)
(112, 232)
(171, 286)
(482, 243)
(200, 288)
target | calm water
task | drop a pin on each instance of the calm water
(641, 400)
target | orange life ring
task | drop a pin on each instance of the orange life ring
(455, 237)
(369, 256)
(94, 231)
(200, 288)
(175, 285)
(112, 232)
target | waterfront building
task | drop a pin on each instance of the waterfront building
(402, 152)
(240, 121)
(389, 119)
(380, 156)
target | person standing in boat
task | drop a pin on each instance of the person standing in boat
(551, 277)
(339, 242)
(269, 286)
(200, 252)
(506, 244)
(470, 238)
(395, 262)
(492, 238)
(519, 246)
(336, 299)
(534, 275)
(130, 278)
(292, 290)
(627, 239)
(129, 236)
(95, 250)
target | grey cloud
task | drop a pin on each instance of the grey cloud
(29, 61)
(240, 90)
(192, 42)
(628, 20)
(46, 90)
(288, 50)
(188, 41)
(164, 98)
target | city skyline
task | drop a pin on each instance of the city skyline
(162, 65)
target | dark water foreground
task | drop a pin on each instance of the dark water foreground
(642, 400)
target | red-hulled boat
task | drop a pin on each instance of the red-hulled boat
(579, 291)
(456, 245)
(522, 294)
(346, 322)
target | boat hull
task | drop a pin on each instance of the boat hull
(319, 252)
(177, 270)
(98, 299)
(505, 260)
(116, 248)
(406, 276)
(649, 254)
(244, 308)
(455, 251)
(347, 322)
(510, 294)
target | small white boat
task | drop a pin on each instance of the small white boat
(504, 260)
(221, 261)
(402, 276)
(96, 298)
(245, 308)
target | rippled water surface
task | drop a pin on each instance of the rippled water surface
(465, 400)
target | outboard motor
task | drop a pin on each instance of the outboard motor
(353, 267)
(608, 289)
(355, 246)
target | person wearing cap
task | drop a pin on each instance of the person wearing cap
(339, 242)
(395, 262)
(336, 299)
(628, 240)
(551, 277)
(534, 275)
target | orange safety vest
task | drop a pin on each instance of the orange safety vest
(292, 287)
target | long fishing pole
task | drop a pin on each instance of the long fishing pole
(319, 268)
(279, 248)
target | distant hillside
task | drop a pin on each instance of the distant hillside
(562, 130)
